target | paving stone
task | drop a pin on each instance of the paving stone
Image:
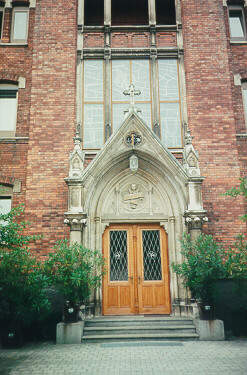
(194, 358)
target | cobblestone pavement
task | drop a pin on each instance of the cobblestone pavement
(138, 358)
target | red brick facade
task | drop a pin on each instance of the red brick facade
(46, 120)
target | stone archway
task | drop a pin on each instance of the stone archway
(159, 191)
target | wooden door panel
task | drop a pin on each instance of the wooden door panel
(125, 297)
(138, 285)
(118, 287)
(153, 287)
(112, 294)
(147, 296)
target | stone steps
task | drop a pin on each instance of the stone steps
(138, 328)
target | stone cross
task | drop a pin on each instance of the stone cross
(132, 92)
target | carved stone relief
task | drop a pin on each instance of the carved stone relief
(133, 195)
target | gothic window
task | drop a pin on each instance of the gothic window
(170, 119)
(8, 108)
(93, 109)
(94, 12)
(19, 30)
(165, 12)
(124, 73)
(129, 12)
(237, 23)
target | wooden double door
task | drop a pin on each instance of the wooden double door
(137, 278)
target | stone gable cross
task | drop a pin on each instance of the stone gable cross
(132, 92)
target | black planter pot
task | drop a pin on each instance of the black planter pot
(71, 312)
(206, 311)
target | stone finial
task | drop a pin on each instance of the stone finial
(190, 157)
(76, 156)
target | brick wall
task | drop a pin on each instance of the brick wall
(211, 112)
(47, 110)
(53, 117)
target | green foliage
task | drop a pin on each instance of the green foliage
(22, 280)
(203, 265)
(236, 264)
(241, 190)
(12, 232)
(75, 270)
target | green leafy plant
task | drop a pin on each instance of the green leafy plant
(22, 279)
(202, 267)
(241, 190)
(236, 264)
(75, 270)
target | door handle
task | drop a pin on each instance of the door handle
(139, 279)
(131, 279)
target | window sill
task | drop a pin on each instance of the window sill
(14, 44)
(244, 135)
(238, 41)
(13, 139)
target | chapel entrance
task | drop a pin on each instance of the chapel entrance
(137, 279)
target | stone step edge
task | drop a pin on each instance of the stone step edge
(140, 317)
(136, 328)
(145, 335)
(132, 319)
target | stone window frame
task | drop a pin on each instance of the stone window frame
(6, 192)
(23, 9)
(240, 8)
(244, 88)
(1, 28)
(20, 83)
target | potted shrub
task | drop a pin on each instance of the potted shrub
(76, 272)
(22, 281)
(203, 265)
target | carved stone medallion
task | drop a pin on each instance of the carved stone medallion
(134, 197)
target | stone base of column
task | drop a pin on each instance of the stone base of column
(210, 330)
(69, 333)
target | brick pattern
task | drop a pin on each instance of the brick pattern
(166, 39)
(47, 110)
(93, 40)
(130, 40)
(211, 112)
(52, 119)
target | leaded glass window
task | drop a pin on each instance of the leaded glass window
(118, 255)
(124, 73)
(93, 118)
(170, 118)
(151, 255)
